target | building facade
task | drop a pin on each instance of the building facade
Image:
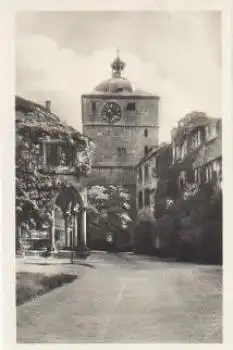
(174, 172)
(193, 158)
(123, 124)
(197, 150)
(152, 178)
(46, 156)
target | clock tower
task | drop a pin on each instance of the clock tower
(123, 124)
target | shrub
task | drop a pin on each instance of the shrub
(191, 229)
(30, 285)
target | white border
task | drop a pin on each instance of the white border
(7, 67)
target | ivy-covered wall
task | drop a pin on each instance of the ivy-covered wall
(37, 182)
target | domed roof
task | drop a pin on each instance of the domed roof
(114, 85)
(118, 83)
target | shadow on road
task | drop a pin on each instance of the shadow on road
(87, 265)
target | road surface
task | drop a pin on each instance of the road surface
(126, 298)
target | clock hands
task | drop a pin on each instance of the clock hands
(111, 112)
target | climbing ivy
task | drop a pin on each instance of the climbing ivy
(36, 186)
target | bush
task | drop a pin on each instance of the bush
(31, 285)
(191, 230)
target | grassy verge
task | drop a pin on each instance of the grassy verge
(30, 285)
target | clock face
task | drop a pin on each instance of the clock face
(111, 112)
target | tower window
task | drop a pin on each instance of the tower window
(131, 106)
(121, 151)
(146, 132)
(146, 150)
(93, 106)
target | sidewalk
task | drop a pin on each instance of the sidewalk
(50, 265)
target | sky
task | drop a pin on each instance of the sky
(174, 55)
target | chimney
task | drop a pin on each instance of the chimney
(48, 106)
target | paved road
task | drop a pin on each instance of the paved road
(128, 299)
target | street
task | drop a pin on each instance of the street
(128, 298)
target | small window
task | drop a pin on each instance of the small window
(147, 197)
(131, 106)
(211, 132)
(184, 149)
(140, 199)
(140, 174)
(52, 154)
(146, 150)
(197, 176)
(178, 153)
(208, 172)
(173, 155)
(121, 151)
(119, 89)
(218, 127)
(196, 140)
(146, 172)
(217, 167)
(93, 106)
(146, 132)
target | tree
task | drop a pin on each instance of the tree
(108, 212)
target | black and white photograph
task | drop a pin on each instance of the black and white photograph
(118, 177)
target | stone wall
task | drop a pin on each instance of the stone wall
(114, 176)
(132, 133)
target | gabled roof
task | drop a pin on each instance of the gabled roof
(37, 121)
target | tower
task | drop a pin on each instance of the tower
(123, 124)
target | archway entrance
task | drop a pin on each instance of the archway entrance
(71, 204)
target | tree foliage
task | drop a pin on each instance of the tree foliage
(195, 225)
(108, 211)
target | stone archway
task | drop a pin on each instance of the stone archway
(71, 201)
